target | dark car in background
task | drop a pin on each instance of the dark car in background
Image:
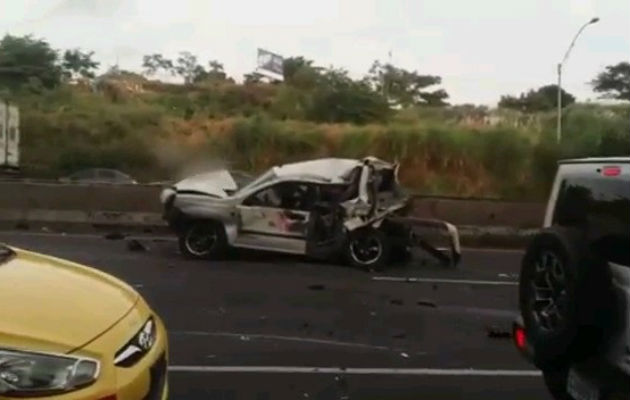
(99, 175)
(574, 291)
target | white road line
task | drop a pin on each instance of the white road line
(437, 280)
(355, 371)
(249, 336)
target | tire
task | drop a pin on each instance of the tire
(203, 240)
(561, 290)
(556, 382)
(368, 249)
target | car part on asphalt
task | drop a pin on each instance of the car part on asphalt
(322, 208)
(135, 245)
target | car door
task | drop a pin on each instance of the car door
(276, 217)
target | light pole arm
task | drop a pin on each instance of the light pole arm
(566, 55)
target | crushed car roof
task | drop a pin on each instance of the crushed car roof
(326, 169)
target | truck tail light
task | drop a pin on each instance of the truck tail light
(520, 338)
(611, 170)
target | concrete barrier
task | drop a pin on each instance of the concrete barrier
(130, 205)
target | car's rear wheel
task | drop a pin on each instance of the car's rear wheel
(561, 292)
(202, 240)
(368, 249)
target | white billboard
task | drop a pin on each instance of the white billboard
(270, 62)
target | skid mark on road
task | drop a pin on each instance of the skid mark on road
(249, 336)
(355, 371)
(437, 280)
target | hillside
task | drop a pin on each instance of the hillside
(155, 131)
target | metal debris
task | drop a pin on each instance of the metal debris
(498, 333)
(134, 245)
(426, 303)
(114, 236)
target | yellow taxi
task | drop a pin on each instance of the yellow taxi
(69, 332)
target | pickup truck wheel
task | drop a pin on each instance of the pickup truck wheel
(561, 290)
(556, 382)
(368, 249)
(203, 239)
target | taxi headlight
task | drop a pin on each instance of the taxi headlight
(31, 374)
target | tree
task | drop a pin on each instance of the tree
(26, 59)
(545, 98)
(338, 98)
(155, 62)
(186, 66)
(76, 63)
(214, 73)
(405, 88)
(614, 81)
(253, 77)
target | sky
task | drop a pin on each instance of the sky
(482, 49)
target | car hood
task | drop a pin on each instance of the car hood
(55, 305)
(216, 183)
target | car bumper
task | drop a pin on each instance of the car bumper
(611, 381)
(147, 379)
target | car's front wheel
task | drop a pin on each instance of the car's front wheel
(202, 240)
(368, 249)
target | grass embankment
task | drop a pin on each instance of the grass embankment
(154, 132)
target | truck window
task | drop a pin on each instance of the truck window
(601, 206)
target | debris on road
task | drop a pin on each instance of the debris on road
(498, 333)
(404, 355)
(114, 236)
(135, 245)
(426, 303)
(400, 335)
(46, 229)
(244, 338)
(316, 287)
(22, 225)
(396, 302)
(372, 313)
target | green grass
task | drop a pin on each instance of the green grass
(255, 126)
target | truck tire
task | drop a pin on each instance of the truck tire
(561, 290)
(368, 249)
(203, 240)
(556, 382)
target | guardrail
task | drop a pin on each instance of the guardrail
(47, 201)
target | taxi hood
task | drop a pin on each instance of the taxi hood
(50, 304)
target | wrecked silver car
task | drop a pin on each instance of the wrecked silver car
(324, 208)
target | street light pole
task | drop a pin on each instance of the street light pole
(564, 59)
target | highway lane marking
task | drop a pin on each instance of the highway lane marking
(438, 280)
(356, 371)
(248, 336)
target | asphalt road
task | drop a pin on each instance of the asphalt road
(262, 327)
